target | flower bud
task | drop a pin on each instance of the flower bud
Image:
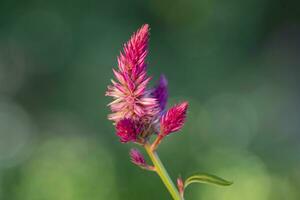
(137, 158)
(180, 186)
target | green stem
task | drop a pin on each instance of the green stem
(162, 172)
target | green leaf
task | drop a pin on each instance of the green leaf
(206, 178)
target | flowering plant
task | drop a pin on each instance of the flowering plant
(140, 113)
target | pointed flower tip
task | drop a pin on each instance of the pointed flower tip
(163, 80)
(184, 105)
(128, 130)
(137, 158)
(142, 32)
(173, 120)
(145, 27)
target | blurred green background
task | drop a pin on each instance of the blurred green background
(236, 62)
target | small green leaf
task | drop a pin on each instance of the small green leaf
(206, 178)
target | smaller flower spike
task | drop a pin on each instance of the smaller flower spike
(173, 119)
(138, 159)
(128, 130)
(160, 92)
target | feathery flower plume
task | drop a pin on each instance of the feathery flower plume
(128, 130)
(160, 92)
(132, 100)
(173, 119)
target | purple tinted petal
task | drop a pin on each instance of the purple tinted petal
(161, 92)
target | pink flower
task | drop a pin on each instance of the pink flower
(173, 119)
(128, 130)
(137, 158)
(132, 100)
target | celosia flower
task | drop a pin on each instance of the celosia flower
(137, 158)
(132, 100)
(138, 112)
(160, 92)
(128, 130)
(173, 119)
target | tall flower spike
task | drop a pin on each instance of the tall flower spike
(160, 92)
(132, 100)
(128, 130)
(173, 119)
